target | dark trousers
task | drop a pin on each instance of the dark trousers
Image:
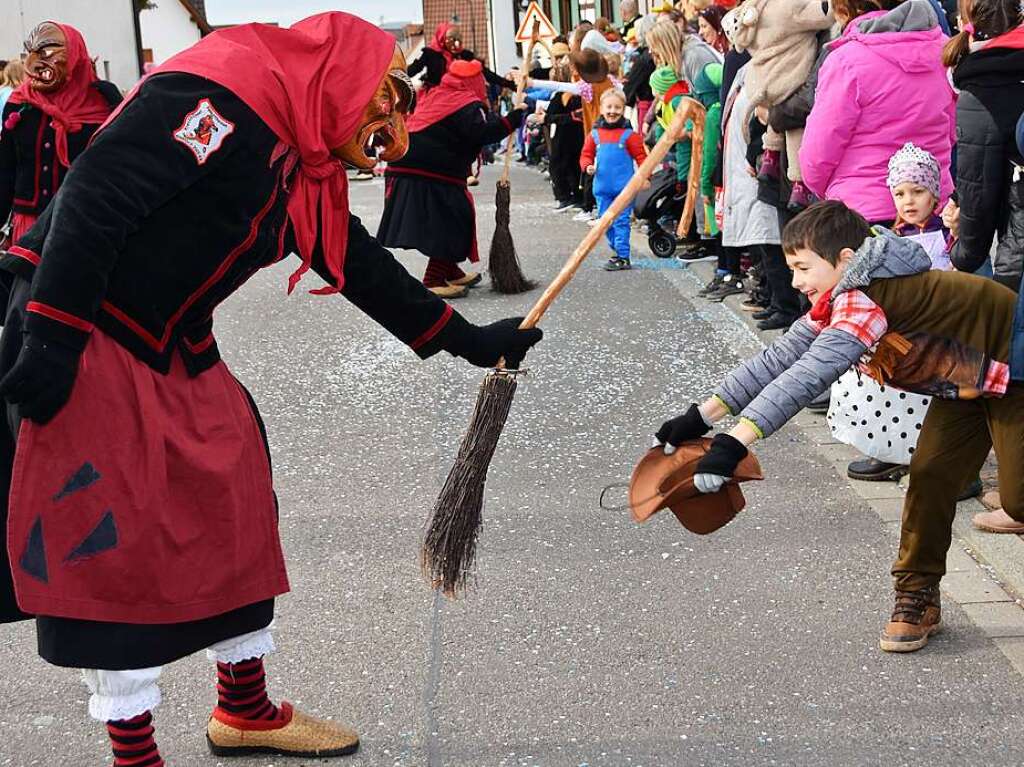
(565, 178)
(588, 192)
(728, 257)
(956, 437)
(785, 299)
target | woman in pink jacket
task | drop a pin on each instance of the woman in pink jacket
(882, 85)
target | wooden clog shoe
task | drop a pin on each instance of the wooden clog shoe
(297, 735)
(468, 280)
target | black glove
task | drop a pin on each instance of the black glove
(41, 380)
(485, 345)
(724, 456)
(683, 428)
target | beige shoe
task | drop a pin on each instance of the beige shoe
(468, 280)
(450, 291)
(472, 181)
(299, 735)
(997, 521)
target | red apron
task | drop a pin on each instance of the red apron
(20, 224)
(147, 499)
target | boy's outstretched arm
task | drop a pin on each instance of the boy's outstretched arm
(770, 388)
(739, 388)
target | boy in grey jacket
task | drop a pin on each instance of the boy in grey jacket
(877, 306)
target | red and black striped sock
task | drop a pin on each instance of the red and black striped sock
(436, 275)
(133, 742)
(242, 690)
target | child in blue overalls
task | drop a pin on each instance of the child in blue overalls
(608, 155)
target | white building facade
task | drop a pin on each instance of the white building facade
(169, 27)
(108, 27)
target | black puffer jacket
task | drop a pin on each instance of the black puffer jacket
(989, 169)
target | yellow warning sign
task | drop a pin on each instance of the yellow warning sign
(535, 18)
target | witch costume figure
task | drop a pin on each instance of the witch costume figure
(141, 522)
(47, 121)
(427, 206)
(437, 56)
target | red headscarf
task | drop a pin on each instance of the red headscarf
(437, 43)
(76, 103)
(462, 85)
(310, 84)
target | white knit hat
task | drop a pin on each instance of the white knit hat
(916, 165)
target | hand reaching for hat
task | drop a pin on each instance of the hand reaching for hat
(719, 463)
(683, 428)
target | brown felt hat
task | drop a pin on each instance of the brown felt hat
(662, 481)
(590, 65)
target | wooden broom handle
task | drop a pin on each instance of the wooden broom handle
(693, 193)
(508, 143)
(688, 109)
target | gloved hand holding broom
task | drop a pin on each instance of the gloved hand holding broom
(487, 345)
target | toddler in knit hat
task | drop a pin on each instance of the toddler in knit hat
(913, 180)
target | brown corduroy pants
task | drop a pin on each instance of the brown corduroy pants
(955, 440)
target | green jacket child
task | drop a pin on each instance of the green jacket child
(669, 90)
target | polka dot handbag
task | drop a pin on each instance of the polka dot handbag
(880, 421)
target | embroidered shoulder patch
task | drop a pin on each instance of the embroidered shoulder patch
(204, 130)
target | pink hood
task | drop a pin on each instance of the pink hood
(881, 85)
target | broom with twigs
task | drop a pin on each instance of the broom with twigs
(449, 547)
(503, 263)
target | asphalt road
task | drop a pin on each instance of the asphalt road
(588, 640)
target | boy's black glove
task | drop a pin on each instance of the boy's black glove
(485, 345)
(41, 380)
(683, 428)
(719, 463)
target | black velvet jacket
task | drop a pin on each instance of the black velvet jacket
(29, 171)
(144, 241)
(450, 146)
(434, 65)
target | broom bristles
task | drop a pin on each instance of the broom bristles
(506, 274)
(449, 548)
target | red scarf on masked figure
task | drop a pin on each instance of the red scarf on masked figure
(77, 103)
(310, 84)
(462, 84)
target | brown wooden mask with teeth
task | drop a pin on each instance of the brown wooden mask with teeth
(453, 39)
(382, 127)
(47, 63)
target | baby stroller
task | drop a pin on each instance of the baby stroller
(658, 205)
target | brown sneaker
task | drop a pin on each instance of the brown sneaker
(297, 735)
(915, 617)
(450, 291)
